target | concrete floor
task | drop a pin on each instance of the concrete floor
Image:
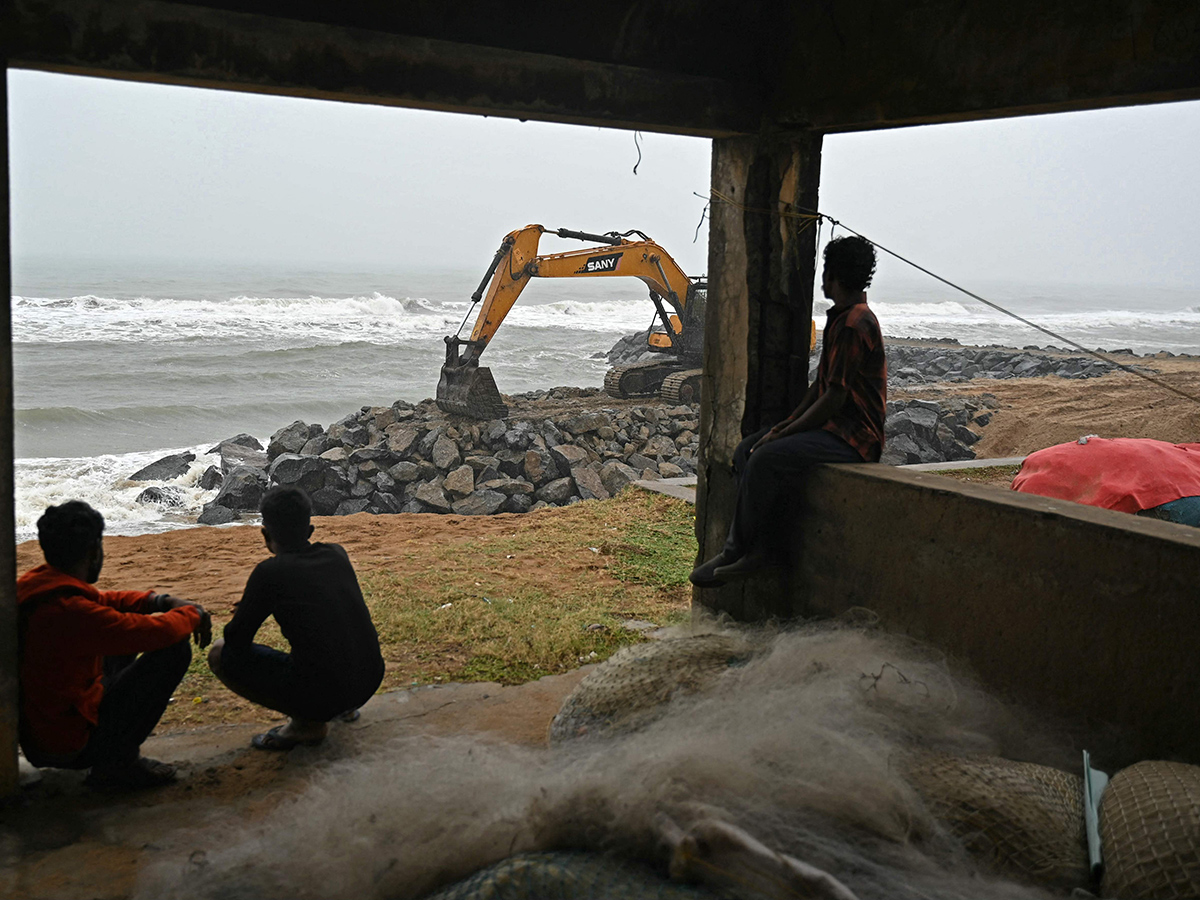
(61, 840)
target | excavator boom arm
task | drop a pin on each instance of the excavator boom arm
(468, 389)
(644, 260)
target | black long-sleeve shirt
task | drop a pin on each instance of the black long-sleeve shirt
(314, 596)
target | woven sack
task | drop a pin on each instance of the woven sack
(628, 690)
(1019, 819)
(1150, 832)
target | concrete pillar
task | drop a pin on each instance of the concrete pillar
(8, 552)
(761, 264)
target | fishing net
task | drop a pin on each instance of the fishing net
(1020, 819)
(569, 876)
(763, 766)
(632, 687)
(1150, 832)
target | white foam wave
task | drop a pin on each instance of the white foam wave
(313, 321)
(322, 320)
(1145, 331)
(617, 316)
(103, 482)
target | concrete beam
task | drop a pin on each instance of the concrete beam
(761, 263)
(1085, 613)
(708, 67)
(180, 43)
(861, 64)
(8, 543)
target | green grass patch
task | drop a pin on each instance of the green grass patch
(658, 549)
(507, 600)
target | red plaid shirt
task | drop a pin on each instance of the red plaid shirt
(852, 358)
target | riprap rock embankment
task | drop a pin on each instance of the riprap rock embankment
(415, 458)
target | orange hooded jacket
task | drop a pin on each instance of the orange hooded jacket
(69, 627)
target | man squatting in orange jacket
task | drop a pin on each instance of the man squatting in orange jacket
(88, 699)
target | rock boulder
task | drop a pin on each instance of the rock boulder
(568, 456)
(540, 466)
(480, 503)
(444, 454)
(165, 469)
(588, 484)
(305, 472)
(290, 439)
(211, 478)
(235, 456)
(460, 481)
(242, 440)
(556, 491)
(161, 496)
(616, 476)
(212, 514)
(243, 488)
(431, 494)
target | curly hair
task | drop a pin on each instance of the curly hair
(67, 533)
(851, 262)
(286, 511)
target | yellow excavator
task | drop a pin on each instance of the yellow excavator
(467, 389)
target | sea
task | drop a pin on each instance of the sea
(118, 364)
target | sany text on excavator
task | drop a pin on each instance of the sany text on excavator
(467, 389)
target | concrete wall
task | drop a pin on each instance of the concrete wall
(8, 549)
(1088, 613)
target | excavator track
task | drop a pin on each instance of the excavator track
(682, 387)
(642, 379)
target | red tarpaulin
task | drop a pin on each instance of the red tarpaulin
(1125, 474)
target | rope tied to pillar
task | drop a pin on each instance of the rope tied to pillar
(788, 212)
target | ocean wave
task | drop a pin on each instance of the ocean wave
(1144, 331)
(316, 319)
(103, 481)
(159, 415)
(375, 318)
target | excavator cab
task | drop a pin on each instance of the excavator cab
(664, 340)
(685, 336)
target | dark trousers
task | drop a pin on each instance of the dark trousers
(268, 677)
(769, 482)
(136, 692)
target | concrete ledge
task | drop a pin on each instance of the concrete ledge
(964, 464)
(1089, 613)
(681, 488)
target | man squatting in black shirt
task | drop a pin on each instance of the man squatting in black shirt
(335, 665)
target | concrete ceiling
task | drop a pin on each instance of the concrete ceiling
(712, 67)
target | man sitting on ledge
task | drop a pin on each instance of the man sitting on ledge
(311, 590)
(840, 419)
(88, 700)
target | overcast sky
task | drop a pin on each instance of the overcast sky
(133, 171)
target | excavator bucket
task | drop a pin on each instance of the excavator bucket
(467, 389)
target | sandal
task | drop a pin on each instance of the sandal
(138, 775)
(276, 740)
(350, 715)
